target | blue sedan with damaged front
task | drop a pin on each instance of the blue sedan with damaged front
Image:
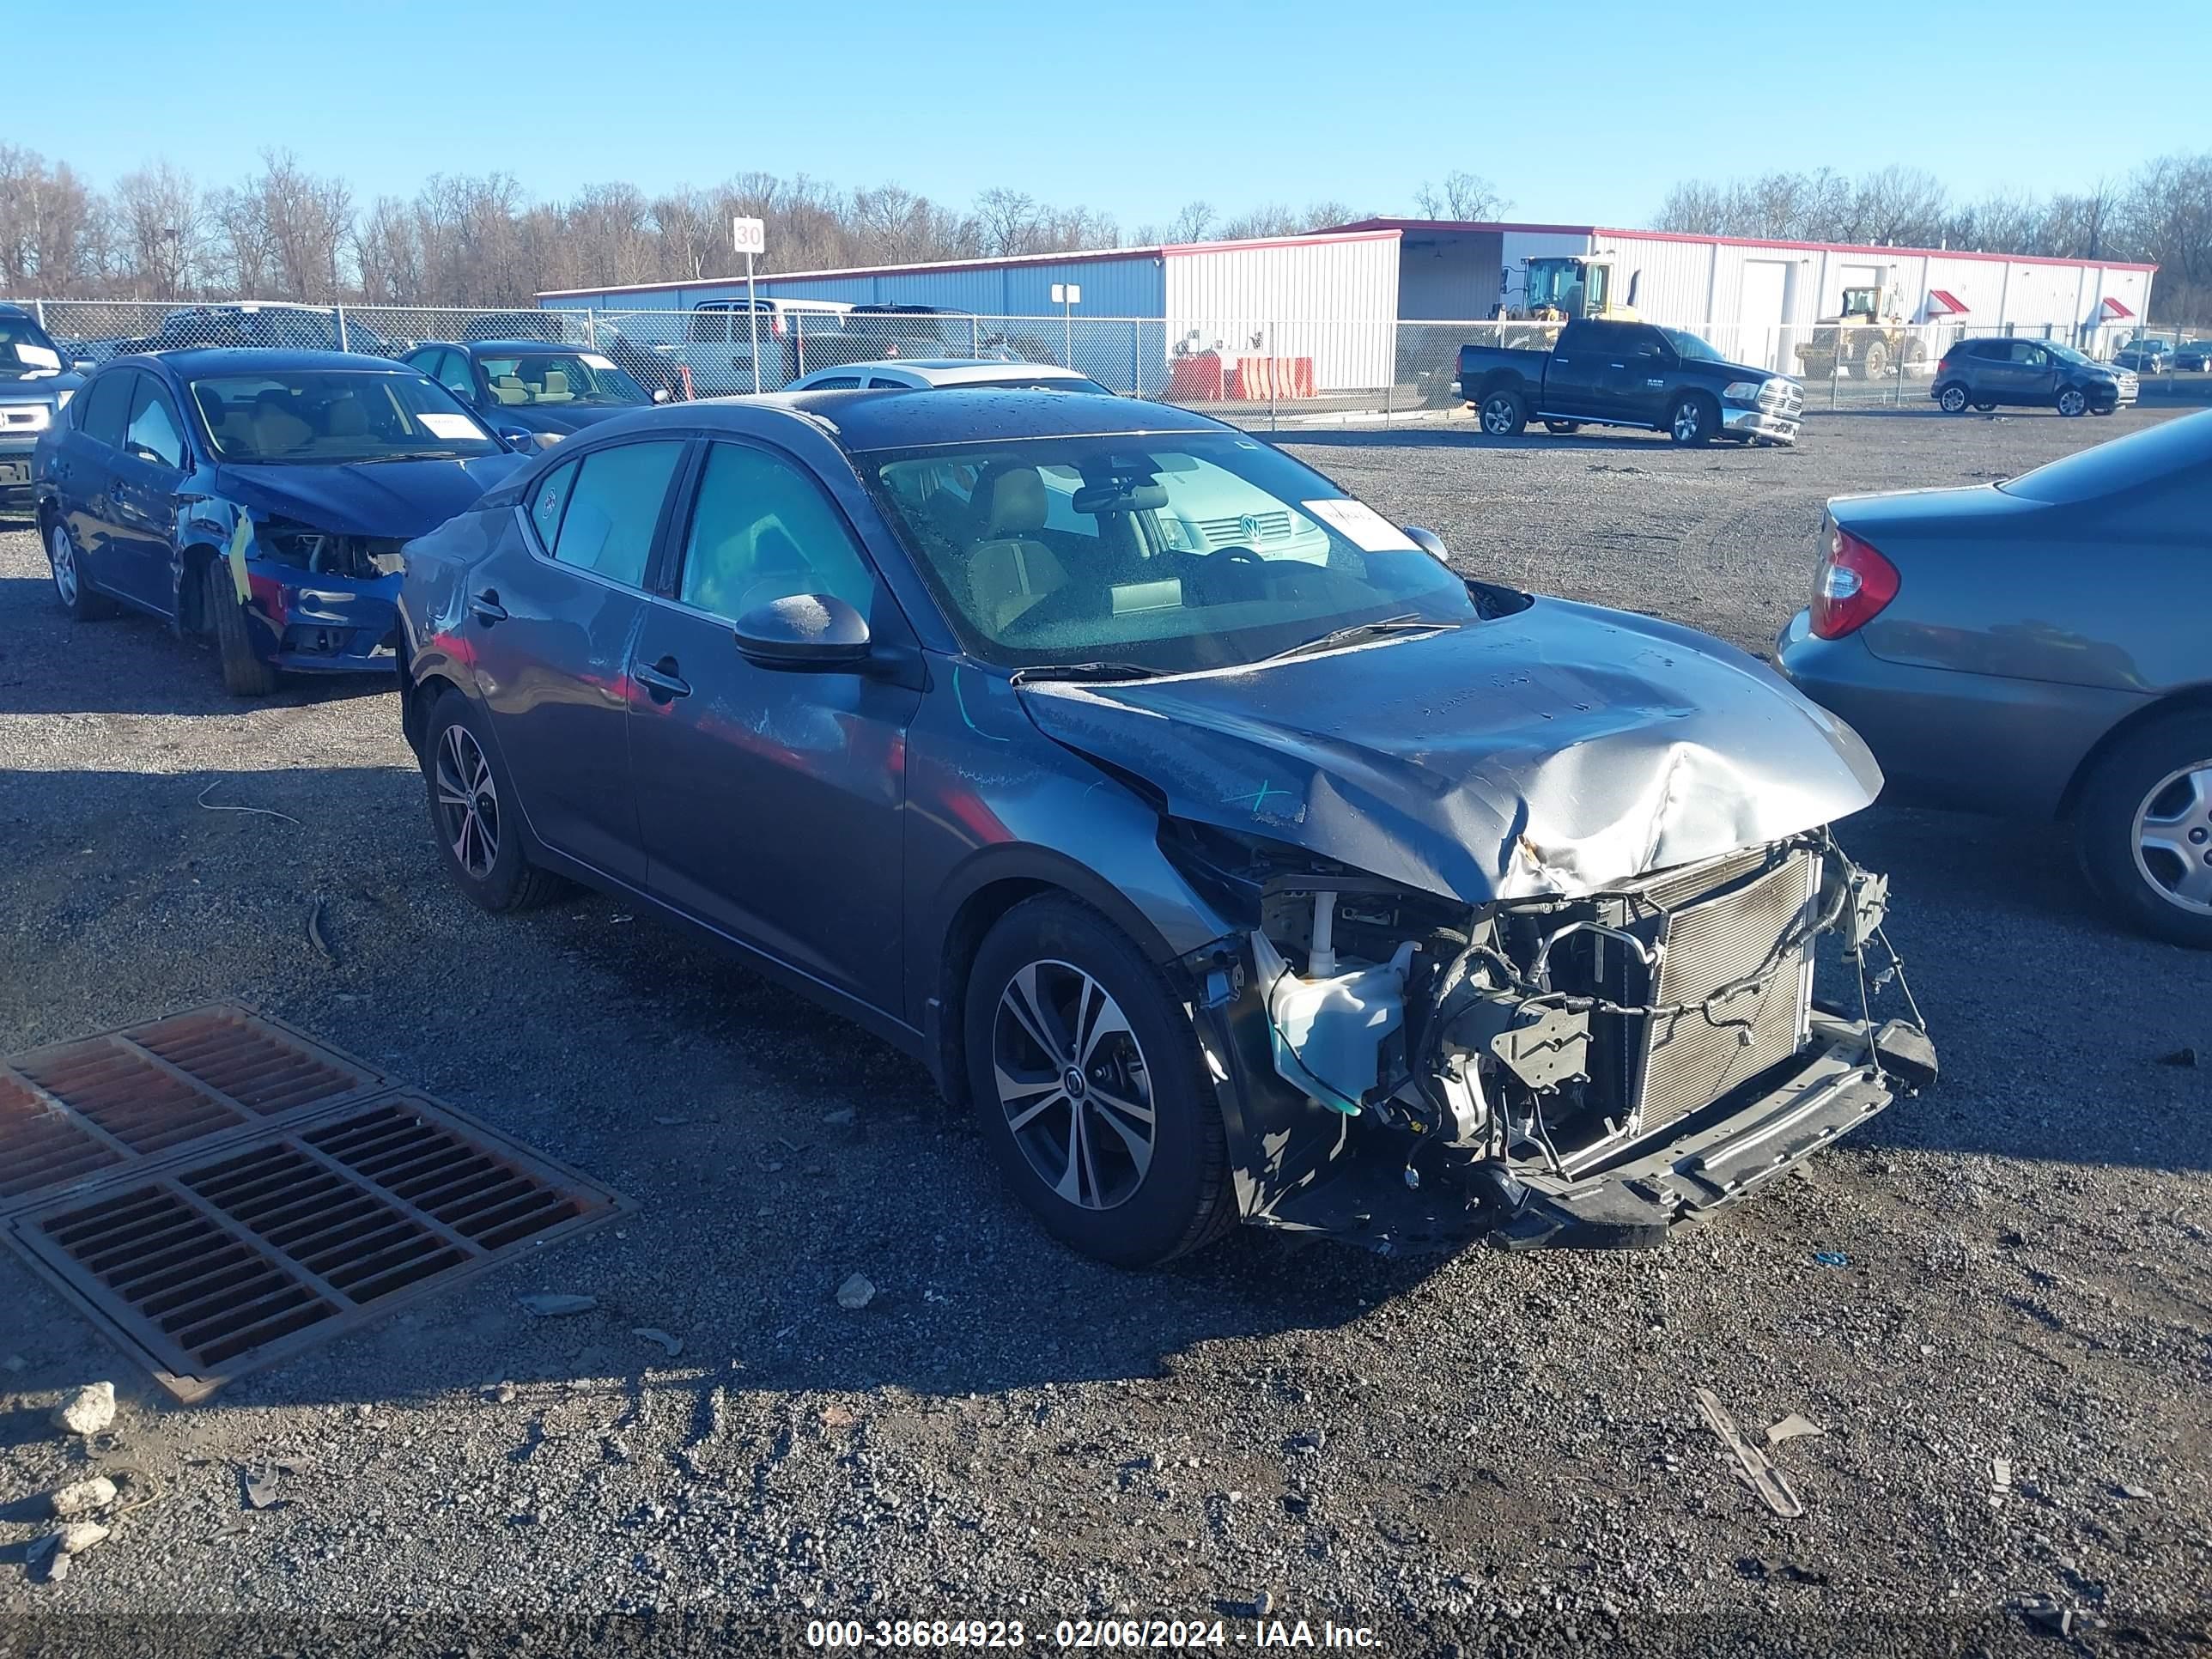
(257, 498)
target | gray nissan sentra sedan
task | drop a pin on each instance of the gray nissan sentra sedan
(2040, 648)
(1238, 861)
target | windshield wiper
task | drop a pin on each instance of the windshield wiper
(1408, 623)
(407, 455)
(1082, 671)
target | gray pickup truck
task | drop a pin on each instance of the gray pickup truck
(1606, 372)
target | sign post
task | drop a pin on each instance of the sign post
(750, 237)
(1067, 296)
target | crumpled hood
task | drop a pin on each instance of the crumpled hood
(1558, 751)
(386, 498)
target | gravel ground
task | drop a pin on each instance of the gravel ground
(1476, 1451)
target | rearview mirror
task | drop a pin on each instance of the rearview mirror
(1430, 543)
(661, 394)
(802, 631)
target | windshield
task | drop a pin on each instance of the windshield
(2066, 354)
(567, 379)
(26, 350)
(1169, 552)
(322, 416)
(1689, 348)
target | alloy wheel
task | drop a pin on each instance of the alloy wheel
(1689, 420)
(2072, 401)
(61, 553)
(1073, 1085)
(1497, 417)
(2174, 837)
(468, 803)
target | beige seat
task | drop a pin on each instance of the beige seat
(556, 387)
(276, 429)
(348, 418)
(510, 389)
(1010, 570)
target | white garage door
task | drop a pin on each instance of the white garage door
(1765, 293)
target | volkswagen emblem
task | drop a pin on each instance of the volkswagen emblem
(1249, 525)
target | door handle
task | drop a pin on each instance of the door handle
(660, 680)
(486, 607)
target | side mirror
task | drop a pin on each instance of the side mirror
(804, 631)
(1430, 543)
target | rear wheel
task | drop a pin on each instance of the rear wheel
(70, 587)
(1505, 414)
(1560, 428)
(1087, 1077)
(2073, 401)
(1693, 420)
(2145, 827)
(243, 674)
(479, 835)
(1875, 363)
(1986, 408)
(1951, 400)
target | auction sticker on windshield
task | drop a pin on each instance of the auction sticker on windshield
(450, 426)
(37, 356)
(1370, 530)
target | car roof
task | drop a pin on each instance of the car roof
(893, 419)
(493, 348)
(233, 360)
(7, 310)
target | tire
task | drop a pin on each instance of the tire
(1561, 428)
(1505, 414)
(1693, 420)
(243, 674)
(1874, 365)
(1051, 971)
(466, 786)
(1952, 399)
(2073, 402)
(70, 587)
(1986, 408)
(2144, 828)
(2113, 411)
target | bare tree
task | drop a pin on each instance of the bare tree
(1191, 222)
(161, 223)
(1463, 196)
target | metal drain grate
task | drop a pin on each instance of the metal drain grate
(124, 1096)
(226, 1259)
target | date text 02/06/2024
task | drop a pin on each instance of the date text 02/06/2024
(1080, 1633)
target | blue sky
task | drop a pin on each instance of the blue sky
(1581, 113)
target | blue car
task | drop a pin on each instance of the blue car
(259, 498)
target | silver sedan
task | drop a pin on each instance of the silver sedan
(2040, 647)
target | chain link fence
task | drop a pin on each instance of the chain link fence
(1255, 371)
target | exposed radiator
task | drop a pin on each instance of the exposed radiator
(1687, 1060)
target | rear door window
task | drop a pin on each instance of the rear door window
(614, 507)
(107, 407)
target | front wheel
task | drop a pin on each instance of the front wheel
(2145, 827)
(1875, 364)
(1951, 400)
(1086, 1075)
(244, 673)
(2073, 401)
(71, 587)
(1693, 420)
(1504, 415)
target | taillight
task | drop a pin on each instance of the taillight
(1943, 367)
(1852, 584)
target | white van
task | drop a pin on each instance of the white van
(718, 336)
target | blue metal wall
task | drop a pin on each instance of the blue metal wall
(1134, 286)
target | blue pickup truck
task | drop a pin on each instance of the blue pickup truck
(1606, 372)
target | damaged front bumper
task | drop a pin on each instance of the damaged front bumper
(1584, 1071)
(322, 624)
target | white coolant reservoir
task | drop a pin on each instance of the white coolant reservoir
(1327, 1027)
